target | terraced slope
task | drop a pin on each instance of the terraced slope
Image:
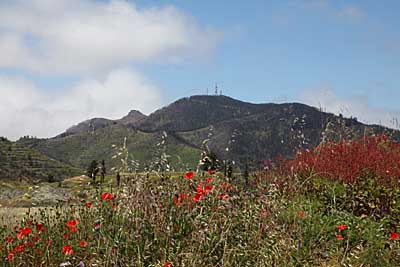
(20, 162)
(80, 149)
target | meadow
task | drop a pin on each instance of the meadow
(335, 205)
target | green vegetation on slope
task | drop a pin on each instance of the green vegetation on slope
(18, 162)
(80, 149)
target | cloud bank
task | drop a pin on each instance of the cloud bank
(85, 36)
(28, 110)
(97, 42)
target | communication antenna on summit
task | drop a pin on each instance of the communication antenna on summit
(216, 89)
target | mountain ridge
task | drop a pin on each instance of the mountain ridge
(236, 130)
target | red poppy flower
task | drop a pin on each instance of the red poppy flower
(197, 197)
(211, 172)
(178, 200)
(339, 237)
(227, 187)
(208, 188)
(106, 196)
(19, 248)
(66, 236)
(9, 239)
(167, 264)
(83, 243)
(67, 250)
(24, 232)
(189, 175)
(88, 205)
(72, 223)
(301, 214)
(39, 227)
(199, 189)
(341, 227)
(10, 256)
(36, 237)
(30, 244)
(394, 236)
(264, 213)
(209, 180)
(73, 229)
(223, 196)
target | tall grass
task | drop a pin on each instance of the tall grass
(291, 218)
(262, 224)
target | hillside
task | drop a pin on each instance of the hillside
(20, 162)
(80, 149)
(91, 125)
(239, 131)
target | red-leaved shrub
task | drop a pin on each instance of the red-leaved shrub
(348, 160)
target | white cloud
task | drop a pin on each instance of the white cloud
(28, 110)
(351, 106)
(85, 39)
(87, 36)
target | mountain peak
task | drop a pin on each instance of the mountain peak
(135, 112)
(198, 111)
(133, 117)
(218, 99)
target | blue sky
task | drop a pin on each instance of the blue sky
(342, 55)
(272, 50)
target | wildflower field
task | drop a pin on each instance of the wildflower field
(335, 205)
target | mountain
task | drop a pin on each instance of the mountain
(235, 130)
(20, 162)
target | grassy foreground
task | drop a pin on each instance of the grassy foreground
(153, 223)
(288, 217)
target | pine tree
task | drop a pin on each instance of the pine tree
(103, 170)
(93, 170)
(246, 173)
